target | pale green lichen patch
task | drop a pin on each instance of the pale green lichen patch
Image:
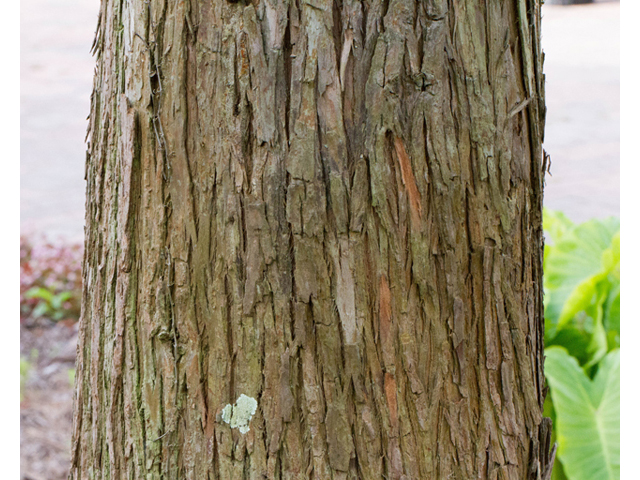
(239, 415)
(226, 413)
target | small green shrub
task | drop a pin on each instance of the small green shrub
(582, 336)
(51, 305)
(50, 280)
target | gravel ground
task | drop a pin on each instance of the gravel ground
(46, 410)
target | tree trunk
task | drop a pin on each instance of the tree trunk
(331, 208)
(568, 2)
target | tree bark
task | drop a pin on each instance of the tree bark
(332, 207)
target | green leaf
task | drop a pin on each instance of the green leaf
(611, 257)
(574, 266)
(582, 281)
(587, 415)
(59, 299)
(41, 309)
(612, 318)
(558, 471)
(555, 224)
(598, 346)
(39, 292)
(575, 340)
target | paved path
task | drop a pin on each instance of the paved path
(582, 133)
(56, 74)
(582, 65)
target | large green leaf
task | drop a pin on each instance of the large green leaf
(580, 259)
(612, 317)
(555, 224)
(587, 415)
(575, 340)
(558, 472)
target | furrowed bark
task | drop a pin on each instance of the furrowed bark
(333, 207)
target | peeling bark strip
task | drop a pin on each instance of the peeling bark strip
(409, 180)
(331, 208)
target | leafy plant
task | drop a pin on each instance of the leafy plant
(587, 415)
(50, 280)
(51, 305)
(582, 335)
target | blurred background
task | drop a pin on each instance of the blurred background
(582, 137)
